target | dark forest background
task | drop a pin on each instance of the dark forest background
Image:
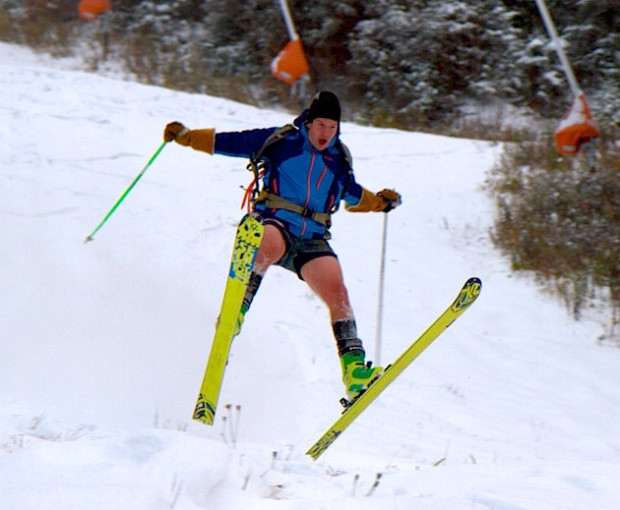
(414, 63)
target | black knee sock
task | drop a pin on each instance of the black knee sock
(250, 292)
(345, 332)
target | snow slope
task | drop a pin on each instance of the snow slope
(104, 345)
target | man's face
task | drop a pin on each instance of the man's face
(321, 132)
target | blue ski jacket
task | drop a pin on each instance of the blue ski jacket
(299, 173)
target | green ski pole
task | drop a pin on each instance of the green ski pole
(118, 202)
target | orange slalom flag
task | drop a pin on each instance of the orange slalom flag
(91, 9)
(576, 127)
(291, 63)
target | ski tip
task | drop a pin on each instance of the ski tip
(474, 284)
(469, 293)
(473, 280)
(88, 239)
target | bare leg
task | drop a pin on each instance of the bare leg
(271, 249)
(324, 276)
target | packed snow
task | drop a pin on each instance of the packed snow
(104, 344)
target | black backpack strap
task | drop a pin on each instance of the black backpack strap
(346, 154)
(274, 137)
(256, 165)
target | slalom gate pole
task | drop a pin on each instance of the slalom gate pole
(288, 19)
(553, 34)
(380, 293)
(131, 186)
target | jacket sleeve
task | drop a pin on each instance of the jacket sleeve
(241, 143)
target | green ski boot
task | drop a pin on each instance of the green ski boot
(356, 374)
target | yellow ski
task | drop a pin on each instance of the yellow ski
(466, 297)
(247, 241)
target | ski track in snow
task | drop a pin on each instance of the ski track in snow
(104, 345)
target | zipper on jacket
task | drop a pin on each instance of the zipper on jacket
(308, 186)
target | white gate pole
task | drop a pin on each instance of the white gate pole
(570, 76)
(290, 26)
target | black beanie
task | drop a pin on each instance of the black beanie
(324, 105)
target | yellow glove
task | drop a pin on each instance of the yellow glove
(198, 139)
(385, 200)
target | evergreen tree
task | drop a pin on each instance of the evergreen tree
(412, 62)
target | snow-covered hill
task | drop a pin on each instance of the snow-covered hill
(104, 345)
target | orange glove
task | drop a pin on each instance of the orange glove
(174, 130)
(391, 198)
(385, 200)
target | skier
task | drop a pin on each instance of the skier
(306, 175)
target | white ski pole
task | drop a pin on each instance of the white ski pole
(380, 293)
